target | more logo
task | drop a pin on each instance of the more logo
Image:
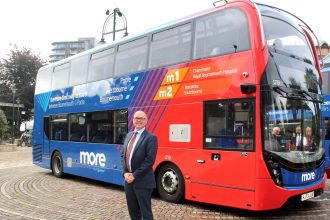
(308, 176)
(93, 159)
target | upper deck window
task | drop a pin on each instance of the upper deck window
(132, 56)
(60, 76)
(101, 65)
(44, 81)
(171, 46)
(78, 73)
(220, 33)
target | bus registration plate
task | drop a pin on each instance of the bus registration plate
(306, 196)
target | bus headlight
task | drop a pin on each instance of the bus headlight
(274, 170)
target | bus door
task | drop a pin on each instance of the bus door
(46, 136)
(225, 167)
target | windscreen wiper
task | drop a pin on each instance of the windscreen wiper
(286, 94)
(285, 53)
(279, 90)
(303, 92)
(300, 95)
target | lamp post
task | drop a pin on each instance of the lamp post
(113, 15)
(13, 89)
(19, 118)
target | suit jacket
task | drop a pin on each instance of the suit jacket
(294, 141)
(142, 160)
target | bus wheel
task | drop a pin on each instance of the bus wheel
(57, 164)
(170, 183)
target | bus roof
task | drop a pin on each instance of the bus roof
(156, 29)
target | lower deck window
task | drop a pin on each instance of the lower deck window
(97, 127)
(229, 124)
(59, 127)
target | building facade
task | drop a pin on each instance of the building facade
(324, 50)
(64, 49)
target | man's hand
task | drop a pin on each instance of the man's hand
(129, 178)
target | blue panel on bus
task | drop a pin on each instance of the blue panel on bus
(93, 160)
(292, 179)
(326, 105)
(105, 94)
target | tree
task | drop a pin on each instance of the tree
(3, 124)
(20, 70)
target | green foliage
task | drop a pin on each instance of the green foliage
(3, 124)
(20, 70)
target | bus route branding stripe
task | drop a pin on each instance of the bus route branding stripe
(145, 89)
(135, 97)
(166, 102)
(138, 88)
(153, 115)
(163, 103)
(154, 79)
(157, 103)
(151, 103)
(148, 92)
(138, 93)
(130, 121)
(153, 87)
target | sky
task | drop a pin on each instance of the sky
(36, 24)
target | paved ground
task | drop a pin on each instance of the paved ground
(29, 192)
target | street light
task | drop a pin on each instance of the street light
(113, 15)
(19, 118)
(13, 89)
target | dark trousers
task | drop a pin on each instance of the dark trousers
(138, 202)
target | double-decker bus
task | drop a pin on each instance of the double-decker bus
(215, 86)
(326, 111)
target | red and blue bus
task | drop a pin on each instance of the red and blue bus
(214, 86)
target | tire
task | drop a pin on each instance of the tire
(57, 165)
(170, 183)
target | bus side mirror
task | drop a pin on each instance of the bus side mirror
(248, 88)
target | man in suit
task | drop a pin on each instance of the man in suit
(137, 159)
(297, 139)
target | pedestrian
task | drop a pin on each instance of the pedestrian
(137, 159)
